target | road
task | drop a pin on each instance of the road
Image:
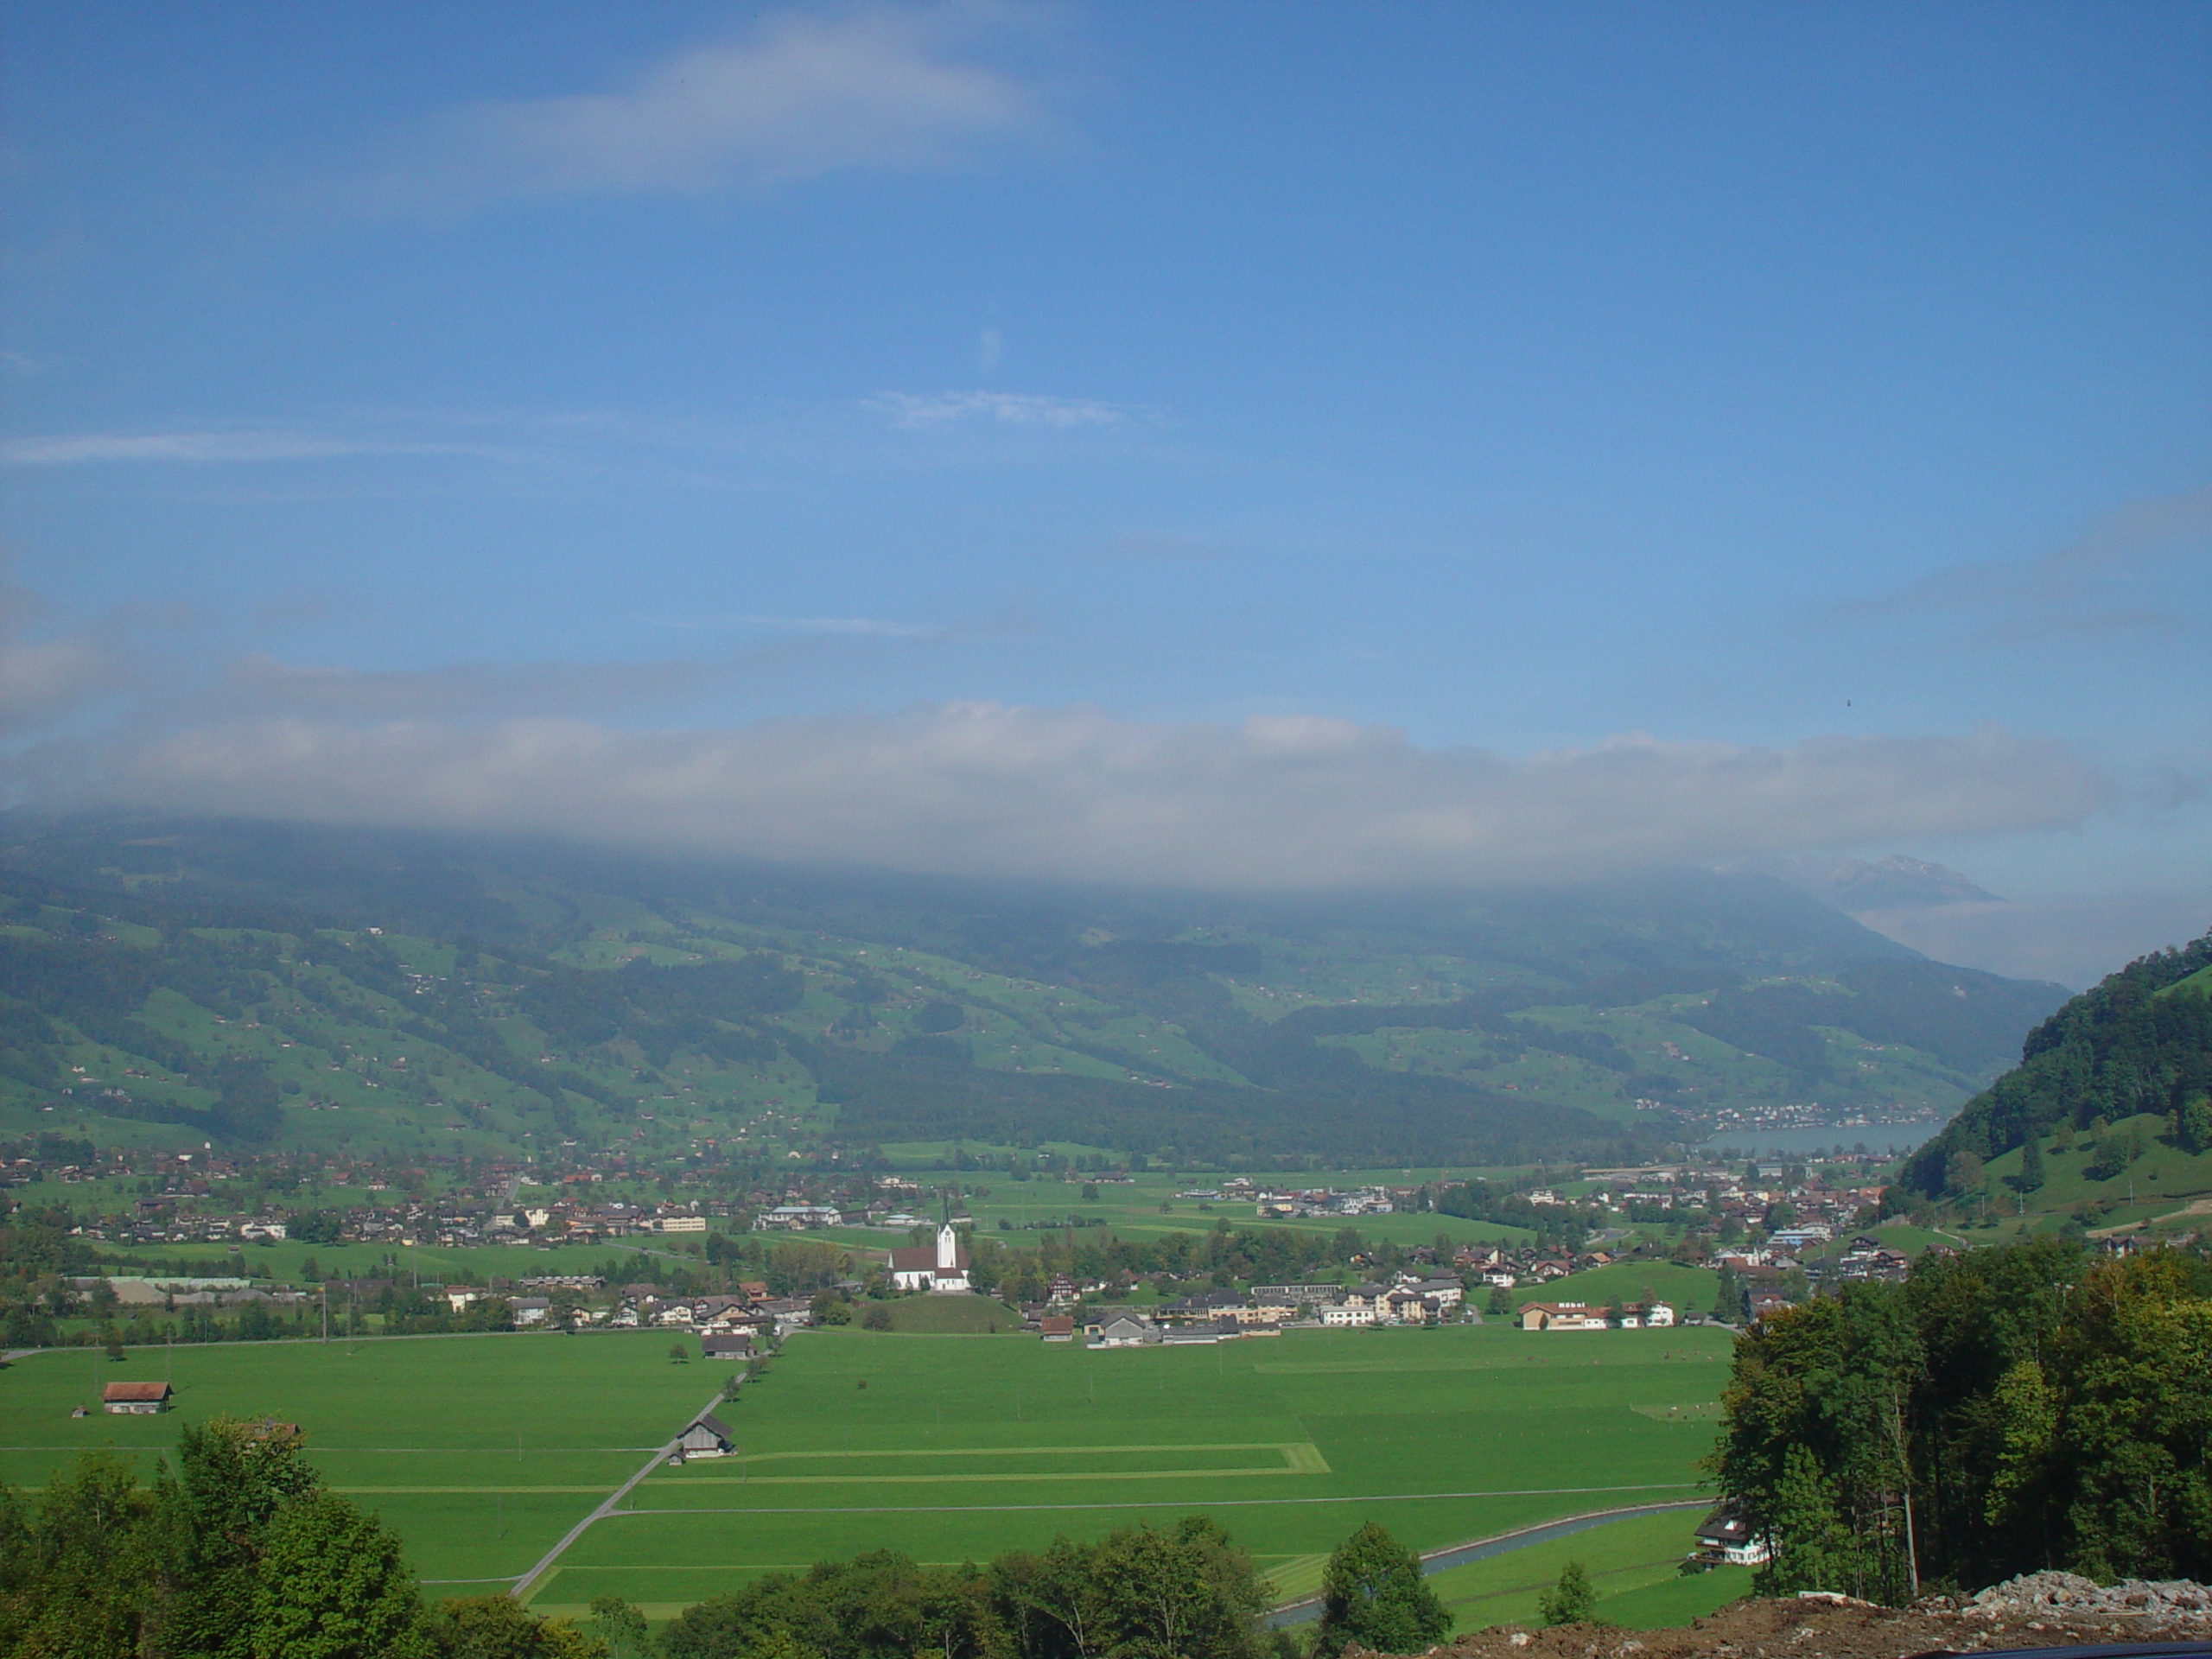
(1308, 1608)
(661, 1454)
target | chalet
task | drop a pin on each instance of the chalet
(942, 1269)
(706, 1438)
(135, 1399)
(1056, 1327)
(529, 1310)
(1726, 1538)
(726, 1344)
(1560, 1316)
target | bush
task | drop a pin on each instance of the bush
(1572, 1600)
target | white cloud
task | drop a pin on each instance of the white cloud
(880, 88)
(43, 678)
(76, 450)
(851, 627)
(1008, 407)
(983, 788)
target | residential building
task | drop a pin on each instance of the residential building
(1560, 1316)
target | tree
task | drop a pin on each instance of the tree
(1811, 1549)
(678, 1354)
(2193, 1123)
(333, 1585)
(1962, 1174)
(1500, 1302)
(2031, 1172)
(499, 1627)
(1728, 1299)
(1372, 1592)
(621, 1627)
(80, 1573)
(234, 1478)
(1571, 1601)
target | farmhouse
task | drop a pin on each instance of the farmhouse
(1560, 1316)
(1725, 1537)
(135, 1399)
(706, 1438)
(726, 1344)
(1121, 1331)
(942, 1269)
(1056, 1327)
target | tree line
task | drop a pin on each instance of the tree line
(2001, 1411)
(243, 1553)
(240, 1553)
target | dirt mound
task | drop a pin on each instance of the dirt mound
(2042, 1610)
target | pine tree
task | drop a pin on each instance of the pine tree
(2032, 1176)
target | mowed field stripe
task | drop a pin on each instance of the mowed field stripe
(1284, 1446)
(1299, 1457)
(1161, 1503)
(401, 1491)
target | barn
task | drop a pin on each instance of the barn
(706, 1438)
(136, 1399)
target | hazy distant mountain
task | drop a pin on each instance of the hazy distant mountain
(318, 987)
(1896, 882)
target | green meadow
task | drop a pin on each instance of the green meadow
(482, 1450)
(1634, 1566)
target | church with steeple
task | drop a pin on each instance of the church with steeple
(940, 1269)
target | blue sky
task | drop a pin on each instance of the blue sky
(1233, 444)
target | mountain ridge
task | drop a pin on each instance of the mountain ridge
(474, 993)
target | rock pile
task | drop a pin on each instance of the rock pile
(2069, 1593)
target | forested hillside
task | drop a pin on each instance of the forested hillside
(2140, 1041)
(258, 982)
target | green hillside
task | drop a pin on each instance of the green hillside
(2140, 1042)
(167, 980)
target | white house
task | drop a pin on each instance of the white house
(943, 1267)
(1347, 1314)
(1725, 1537)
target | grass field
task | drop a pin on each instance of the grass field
(480, 1450)
(1633, 1565)
(483, 1450)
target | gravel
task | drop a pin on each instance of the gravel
(2038, 1609)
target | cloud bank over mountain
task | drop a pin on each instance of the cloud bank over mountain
(985, 788)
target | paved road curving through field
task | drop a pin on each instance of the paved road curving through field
(1308, 1608)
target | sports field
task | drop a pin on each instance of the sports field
(483, 1451)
